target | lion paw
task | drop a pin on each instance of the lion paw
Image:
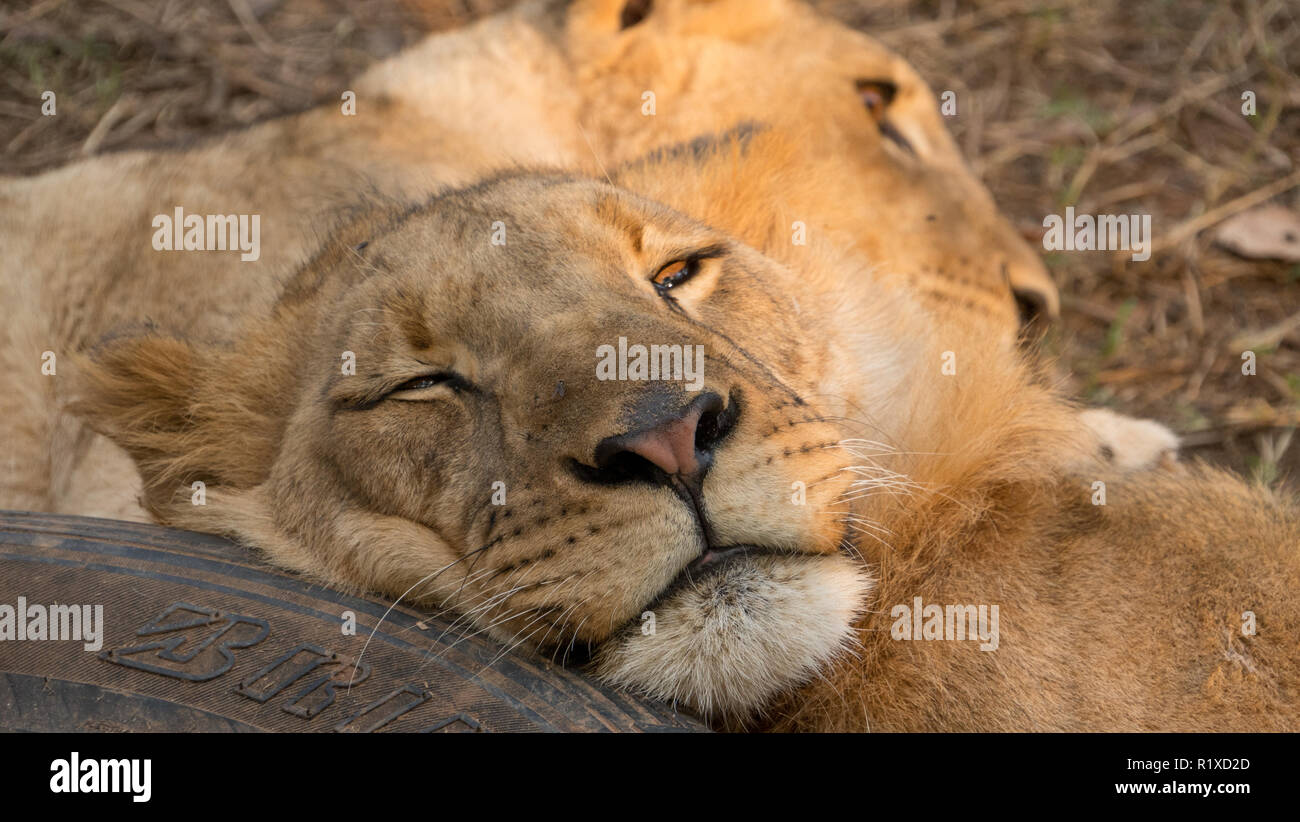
(1129, 443)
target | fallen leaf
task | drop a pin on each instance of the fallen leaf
(1266, 233)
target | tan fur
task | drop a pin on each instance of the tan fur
(1123, 617)
(341, 479)
(970, 487)
(555, 84)
(959, 488)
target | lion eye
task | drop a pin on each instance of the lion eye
(876, 95)
(430, 381)
(674, 274)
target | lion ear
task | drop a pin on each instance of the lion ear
(184, 413)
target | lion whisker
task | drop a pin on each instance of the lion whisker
(417, 584)
(429, 657)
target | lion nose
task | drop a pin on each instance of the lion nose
(678, 445)
(669, 445)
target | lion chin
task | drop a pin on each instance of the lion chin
(727, 641)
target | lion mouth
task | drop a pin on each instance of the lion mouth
(714, 559)
(717, 558)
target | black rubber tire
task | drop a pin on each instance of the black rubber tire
(199, 635)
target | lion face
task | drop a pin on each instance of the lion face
(894, 184)
(472, 425)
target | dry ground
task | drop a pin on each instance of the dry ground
(1114, 106)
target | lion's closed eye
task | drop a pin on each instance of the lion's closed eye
(429, 386)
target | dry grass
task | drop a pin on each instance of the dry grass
(1113, 106)
(136, 72)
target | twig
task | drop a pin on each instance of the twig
(1218, 214)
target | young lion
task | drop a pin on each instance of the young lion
(556, 84)
(828, 471)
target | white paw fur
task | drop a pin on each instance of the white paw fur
(1129, 443)
(727, 643)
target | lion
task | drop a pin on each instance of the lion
(734, 530)
(547, 84)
